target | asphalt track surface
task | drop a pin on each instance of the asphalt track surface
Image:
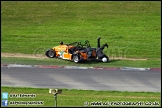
(85, 79)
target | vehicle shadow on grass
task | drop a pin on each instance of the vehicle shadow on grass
(114, 60)
(97, 62)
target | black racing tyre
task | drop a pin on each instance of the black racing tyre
(106, 57)
(50, 53)
(76, 58)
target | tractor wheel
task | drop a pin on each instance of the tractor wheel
(50, 53)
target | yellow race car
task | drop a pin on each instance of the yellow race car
(76, 51)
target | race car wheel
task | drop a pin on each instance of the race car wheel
(106, 58)
(50, 53)
(76, 58)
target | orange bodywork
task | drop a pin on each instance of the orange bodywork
(63, 52)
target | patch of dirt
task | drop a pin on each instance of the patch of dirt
(40, 56)
(121, 58)
(20, 55)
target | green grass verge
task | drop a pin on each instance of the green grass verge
(76, 98)
(60, 62)
(130, 27)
